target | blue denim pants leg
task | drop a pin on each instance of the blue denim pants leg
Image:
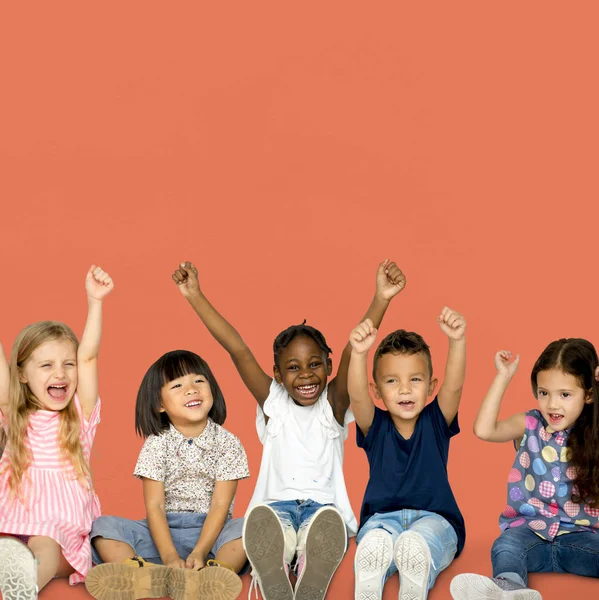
(185, 529)
(295, 513)
(295, 516)
(439, 535)
(577, 553)
(519, 551)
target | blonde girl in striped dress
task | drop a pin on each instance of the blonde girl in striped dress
(49, 411)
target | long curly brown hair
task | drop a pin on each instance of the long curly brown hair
(578, 358)
(22, 403)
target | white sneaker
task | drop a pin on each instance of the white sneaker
(469, 586)
(18, 570)
(413, 561)
(373, 559)
(264, 544)
(321, 547)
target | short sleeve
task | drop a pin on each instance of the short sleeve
(274, 408)
(365, 441)
(232, 463)
(88, 426)
(439, 422)
(151, 462)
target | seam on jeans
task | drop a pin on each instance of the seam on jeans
(583, 548)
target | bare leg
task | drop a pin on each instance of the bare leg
(112, 551)
(232, 553)
(51, 561)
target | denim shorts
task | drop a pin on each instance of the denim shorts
(185, 531)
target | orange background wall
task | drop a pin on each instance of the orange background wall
(287, 148)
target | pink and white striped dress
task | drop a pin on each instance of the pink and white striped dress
(55, 504)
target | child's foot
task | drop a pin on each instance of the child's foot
(469, 586)
(264, 544)
(373, 558)
(326, 541)
(413, 561)
(216, 581)
(133, 579)
(18, 570)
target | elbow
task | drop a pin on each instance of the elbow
(482, 433)
(155, 509)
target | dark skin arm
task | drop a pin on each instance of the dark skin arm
(255, 379)
(389, 282)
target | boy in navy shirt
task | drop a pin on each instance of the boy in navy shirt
(410, 521)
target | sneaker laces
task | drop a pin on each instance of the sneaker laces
(218, 563)
(254, 584)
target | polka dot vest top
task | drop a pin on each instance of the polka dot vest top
(540, 485)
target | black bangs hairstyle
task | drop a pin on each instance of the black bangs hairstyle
(403, 342)
(578, 357)
(172, 365)
(285, 337)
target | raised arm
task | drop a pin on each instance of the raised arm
(486, 425)
(255, 379)
(98, 284)
(361, 340)
(4, 383)
(389, 282)
(222, 497)
(453, 326)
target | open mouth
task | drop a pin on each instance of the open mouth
(407, 404)
(194, 404)
(307, 391)
(555, 418)
(58, 392)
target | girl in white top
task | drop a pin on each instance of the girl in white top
(300, 507)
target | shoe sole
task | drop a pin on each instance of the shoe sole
(469, 586)
(326, 541)
(372, 560)
(413, 561)
(210, 583)
(18, 570)
(113, 581)
(264, 544)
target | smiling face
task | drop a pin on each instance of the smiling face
(561, 398)
(187, 400)
(403, 382)
(51, 373)
(303, 369)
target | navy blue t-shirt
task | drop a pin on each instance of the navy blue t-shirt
(410, 473)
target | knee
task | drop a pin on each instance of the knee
(506, 543)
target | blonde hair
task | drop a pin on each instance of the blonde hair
(22, 403)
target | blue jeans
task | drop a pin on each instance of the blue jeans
(295, 516)
(439, 535)
(185, 531)
(296, 513)
(520, 551)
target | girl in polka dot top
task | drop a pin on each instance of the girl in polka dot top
(551, 519)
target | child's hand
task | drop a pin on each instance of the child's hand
(175, 563)
(504, 366)
(389, 280)
(452, 324)
(195, 561)
(98, 283)
(362, 337)
(186, 277)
